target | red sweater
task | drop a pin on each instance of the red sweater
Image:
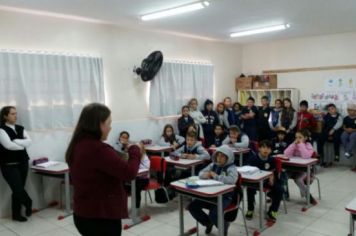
(98, 174)
(305, 121)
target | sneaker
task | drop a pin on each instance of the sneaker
(337, 158)
(313, 201)
(249, 215)
(272, 216)
(347, 155)
(209, 228)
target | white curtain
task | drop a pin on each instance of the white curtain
(49, 90)
(176, 83)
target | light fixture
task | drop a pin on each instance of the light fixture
(176, 10)
(260, 30)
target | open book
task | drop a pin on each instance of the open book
(47, 164)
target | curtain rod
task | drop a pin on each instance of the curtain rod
(207, 63)
(48, 53)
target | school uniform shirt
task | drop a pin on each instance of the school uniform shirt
(212, 119)
(98, 175)
(268, 164)
(242, 141)
(332, 122)
(223, 120)
(183, 124)
(288, 119)
(349, 122)
(13, 143)
(305, 121)
(274, 117)
(197, 149)
(237, 118)
(145, 165)
(218, 140)
(303, 150)
(167, 143)
(262, 116)
(278, 147)
(199, 119)
(229, 114)
(250, 122)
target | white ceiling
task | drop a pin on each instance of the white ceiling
(222, 17)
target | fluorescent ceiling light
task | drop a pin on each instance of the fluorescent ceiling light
(260, 31)
(176, 10)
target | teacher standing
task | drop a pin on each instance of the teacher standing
(14, 161)
(98, 174)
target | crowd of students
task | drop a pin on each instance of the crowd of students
(276, 130)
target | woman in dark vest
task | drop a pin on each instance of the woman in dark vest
(288, 120)
(14, 161)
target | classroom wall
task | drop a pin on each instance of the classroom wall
(121, 49)
(328, 50)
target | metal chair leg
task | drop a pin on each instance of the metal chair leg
(244, 218)
(318, 181)
(149, 194)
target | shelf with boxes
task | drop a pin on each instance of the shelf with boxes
(257, 86)
(272, 94)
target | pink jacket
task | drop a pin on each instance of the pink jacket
(303, 150)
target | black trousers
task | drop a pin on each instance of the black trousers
(96, 227)
(276, 195)
(15, 176)
(323, 138)
(140, 185)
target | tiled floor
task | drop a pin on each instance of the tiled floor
(327, 218)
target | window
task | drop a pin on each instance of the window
(49, 91)
(176, 83)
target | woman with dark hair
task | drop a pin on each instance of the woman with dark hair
(98, 174)
(14, 161)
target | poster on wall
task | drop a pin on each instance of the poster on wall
(340, 91)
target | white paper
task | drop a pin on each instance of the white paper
(48, 164)
(208, 182)
(248, 170)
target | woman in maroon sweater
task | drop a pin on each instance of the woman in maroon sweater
(98, 174)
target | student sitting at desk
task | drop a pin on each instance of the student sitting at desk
(236, 138)
(279, 143)
(169, 138)
(192, 149)
(301, 147)
(264, 161)
(219, 135)
(122, 144)
(221, 169)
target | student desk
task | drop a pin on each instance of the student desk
(298, 163)
(158, 149)
(185, 163)
(57, 171)
(204, 194)
(351, 207)
(236, 151)
(135, 219)
(257, 178)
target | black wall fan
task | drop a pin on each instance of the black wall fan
(150, 66)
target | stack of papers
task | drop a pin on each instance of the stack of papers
(48, 164)
(248, 170)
